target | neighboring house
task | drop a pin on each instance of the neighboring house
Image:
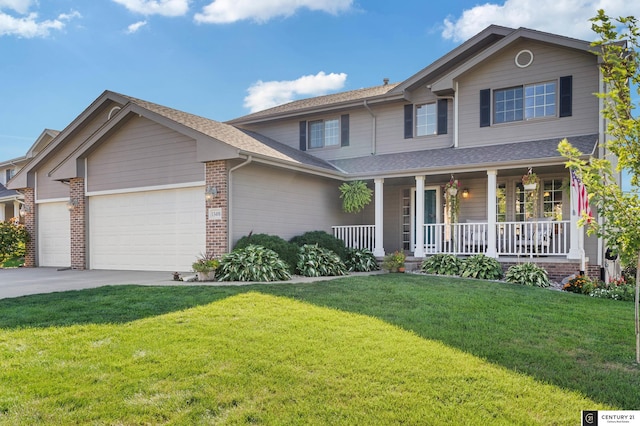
(134, 185)
(11, 200)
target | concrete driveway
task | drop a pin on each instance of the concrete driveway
(23, 281)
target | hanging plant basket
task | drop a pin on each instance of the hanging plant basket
(530, 186)
(355, 196)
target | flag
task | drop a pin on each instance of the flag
(582, 198)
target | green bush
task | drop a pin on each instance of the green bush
(580, 284)
(527, 274)
(324, 240)
(315, 261)
(481, 267)
(442, 264)
(361, 260)
(13, 237)
(623, 292)
(286, 251)
(252, 263)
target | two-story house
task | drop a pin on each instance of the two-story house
(134, 185)
(11, 200)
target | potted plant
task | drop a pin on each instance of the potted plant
(205, 267)
(530, 181)
(394, 262)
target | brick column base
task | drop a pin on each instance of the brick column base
(216, 176)
(78, 228)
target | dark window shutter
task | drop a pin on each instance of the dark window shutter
(485, 108)
(303, 136)
(566, 89)
(442, 116)
(344, 130)
(408, 121)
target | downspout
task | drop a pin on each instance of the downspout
(229, 198)
(455, 118)
(373, 128)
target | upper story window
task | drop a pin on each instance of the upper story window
(426, 120)
(8, 175)
(526, 102)
(324, 133)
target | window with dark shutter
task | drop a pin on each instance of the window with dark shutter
(408, 121)
(303, 136)
(442, 116)
(344, 130)
(485, 107)
(566, 89)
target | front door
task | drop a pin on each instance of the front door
(431, 216)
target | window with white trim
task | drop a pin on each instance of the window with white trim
(525, 102)
(324, 133)
(552, 199)
(426, 119)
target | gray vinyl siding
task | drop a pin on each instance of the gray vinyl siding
(143, 153)
(47, 188)
(550, 63)
(284, 203)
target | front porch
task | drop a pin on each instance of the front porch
(496, 218)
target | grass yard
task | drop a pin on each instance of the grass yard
(384, 349)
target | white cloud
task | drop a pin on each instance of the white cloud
(568, 17)
(156, 7)
(29, 26)
(227, 11)
(267, 94)
(135, 27)
(20, 6)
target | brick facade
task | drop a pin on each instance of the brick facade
(557, 271)
(29, 221)
(216, 176)
(78, 227)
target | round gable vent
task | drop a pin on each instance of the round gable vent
(524, 58)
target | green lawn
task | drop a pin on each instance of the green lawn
(382, 349)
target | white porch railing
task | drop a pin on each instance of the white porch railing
(533, 238)
(356, 236)
(512, 238)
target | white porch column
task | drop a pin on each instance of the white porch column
(378, 250)
(492, 181)
(2, 208)
(16, 209)
(419, 249)
(575, 249)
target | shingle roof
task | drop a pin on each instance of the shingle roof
(447, 158)
(318, 102)
(7, 193)
(242, 140)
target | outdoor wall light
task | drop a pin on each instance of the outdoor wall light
(24, 209)
(210, 193)
(465, 193)
(72, 204)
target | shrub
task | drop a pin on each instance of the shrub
(252, 263)
(580, 284)
(315, 261)
(13, 237)
(286, 251)
(361, 260)
(527, 274)
(624, 292)
(442, 264)
(481, 267)
(324, 240)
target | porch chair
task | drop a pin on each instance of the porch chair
(475, 235)
(535, 235)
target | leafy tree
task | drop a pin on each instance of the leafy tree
(13, 237)
(617, 47)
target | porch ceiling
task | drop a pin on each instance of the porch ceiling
(464, 159)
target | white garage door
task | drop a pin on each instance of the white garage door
(54, 235)
(147, 231)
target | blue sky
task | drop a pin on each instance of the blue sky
(225, 58)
